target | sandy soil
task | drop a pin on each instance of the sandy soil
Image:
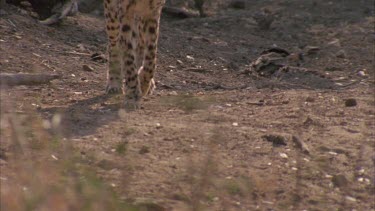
(206, 139)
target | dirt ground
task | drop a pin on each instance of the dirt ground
(213, 137)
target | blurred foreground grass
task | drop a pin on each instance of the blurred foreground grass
(40, 171)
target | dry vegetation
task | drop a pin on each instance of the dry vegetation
(217, 135)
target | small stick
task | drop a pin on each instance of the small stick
(9, 79)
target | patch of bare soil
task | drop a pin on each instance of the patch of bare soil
(215, 136)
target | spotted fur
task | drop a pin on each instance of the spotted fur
(132, 29)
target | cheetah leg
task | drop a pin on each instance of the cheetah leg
(151, 31)
(128, 43)
(114, 73)
(140, 50)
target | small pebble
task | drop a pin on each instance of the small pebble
(173, 93)
(361, 171)
(54, 157)
(332, 153)
(349, 198)
(361, 73)
(190, 57)
(283, 155)
(158, 125)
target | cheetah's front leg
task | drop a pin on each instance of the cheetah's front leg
(128, 43)
(114, 74)
(151, 31)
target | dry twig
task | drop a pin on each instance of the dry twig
(9, 79)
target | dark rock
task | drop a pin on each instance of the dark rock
(351, 102)
(340, 181)
(87, 68)
(310, 99)
(276, 140)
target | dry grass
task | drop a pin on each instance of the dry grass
(44, 172)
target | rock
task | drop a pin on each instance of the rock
(311, 50)
(276, 140)
(283, 155)
(335, 43)
(87, 68)
(310, 99)
(97, 57)
(351, 102)
(340, 181)
(362, 73)
(341, 54)
(180, 12)
(189, 57)
(173, 93)
(179, 62)
(268, 63)
(349, 198)
(54, 11)
(158, 126)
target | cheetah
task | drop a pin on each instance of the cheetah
(132, 30)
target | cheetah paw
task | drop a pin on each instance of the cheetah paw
(113, 88)
(150, 89)
(132, 104)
